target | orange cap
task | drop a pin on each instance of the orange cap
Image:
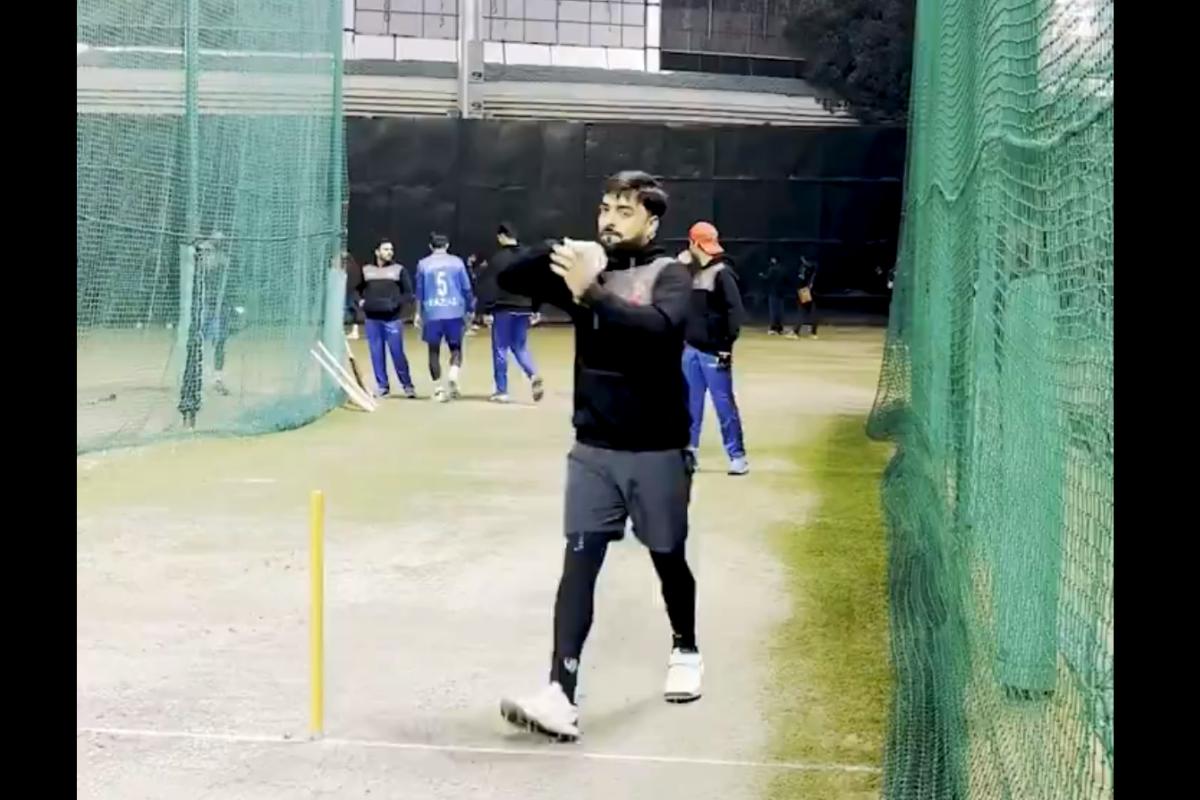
(704, 236)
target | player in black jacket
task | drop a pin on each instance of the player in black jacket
(712, 328)
(385, 289)
(775, 281)
(512, 315)
(629, 305)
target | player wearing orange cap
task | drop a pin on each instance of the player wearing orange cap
(713, 324)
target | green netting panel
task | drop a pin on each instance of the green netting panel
(997, 389)
(210, 172)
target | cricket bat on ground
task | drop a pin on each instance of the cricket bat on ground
(354, 367)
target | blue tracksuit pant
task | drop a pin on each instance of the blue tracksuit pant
(384, 335)
(510, 331)
(704, 375)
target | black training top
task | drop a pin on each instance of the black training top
(494, 299)
(715, 319)
(385, 291)
(630, 392)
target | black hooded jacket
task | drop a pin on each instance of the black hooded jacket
(630, 392)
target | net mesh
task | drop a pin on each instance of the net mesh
(210, 170)
(997, 389)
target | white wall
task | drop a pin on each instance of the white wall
(555, 39)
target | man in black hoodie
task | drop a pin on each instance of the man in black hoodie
(511, 315)
(629, 305)
(712, 328)
(385, 289)
(775, 281)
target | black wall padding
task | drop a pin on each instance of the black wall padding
(833, 194)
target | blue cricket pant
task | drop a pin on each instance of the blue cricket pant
(510, 332)
(384, 335)
(705, 376)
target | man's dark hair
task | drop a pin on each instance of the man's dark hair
(382, 242)
(438, 240)
(649, 190)
(506, 229)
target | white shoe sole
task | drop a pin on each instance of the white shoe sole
(516, 716)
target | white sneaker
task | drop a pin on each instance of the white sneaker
(454, 393)
(548, 712)
(440, 396)
(499, 397)
(684, 672)
(695, 451)
(739, 466)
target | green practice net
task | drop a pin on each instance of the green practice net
(210, 171)
(997, 390)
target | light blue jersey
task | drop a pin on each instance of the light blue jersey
(443, 287)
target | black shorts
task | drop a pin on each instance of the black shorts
(653, 488)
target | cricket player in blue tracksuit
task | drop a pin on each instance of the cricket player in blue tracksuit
(444, 300)
(512, 315)
(713, 324)
(384, 290)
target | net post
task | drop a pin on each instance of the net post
(316, 640)
(187, 339)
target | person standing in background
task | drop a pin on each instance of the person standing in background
(511, 316)
(476, 265)
(713, 324)
(385, 290)
(221, 302)
(775, 281)
(806, 277)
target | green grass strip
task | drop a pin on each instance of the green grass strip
(831, 677)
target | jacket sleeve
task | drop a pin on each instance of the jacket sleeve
(528, 274)
(668, 307)
(735, 312)
(406, 287)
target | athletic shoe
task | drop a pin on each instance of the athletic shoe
(410, 392)
(794, 335)
(695, 451)
(539, 388)
(353, 333)
(454, 394)
(814, 337)
(378, 395)
(685, 668)
(548, 712)
(739, 466)
(772, 332)
(499, 397)
(440, 396)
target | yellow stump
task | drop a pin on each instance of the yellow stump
(316, 641)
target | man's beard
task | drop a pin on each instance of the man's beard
(620, 245)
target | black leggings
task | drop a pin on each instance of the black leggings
(574, 604)
(435, 359)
